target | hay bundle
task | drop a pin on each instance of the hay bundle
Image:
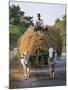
(36, 43)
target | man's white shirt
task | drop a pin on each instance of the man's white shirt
(40, 23)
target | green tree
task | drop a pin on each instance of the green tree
(26, 21)
(14, 14)
(18, 24)
(61, 25)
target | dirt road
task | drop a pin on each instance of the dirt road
(40, 77)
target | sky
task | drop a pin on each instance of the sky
(49, 12)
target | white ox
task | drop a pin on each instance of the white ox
(24, 61)
(51, 62)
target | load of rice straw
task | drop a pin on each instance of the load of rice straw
(39, 41)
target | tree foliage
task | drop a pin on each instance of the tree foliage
(18, 24)
(61, 25)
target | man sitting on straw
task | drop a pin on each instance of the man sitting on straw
(39, 23)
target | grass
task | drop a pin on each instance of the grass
(16, 74)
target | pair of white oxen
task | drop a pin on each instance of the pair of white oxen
(25, 59)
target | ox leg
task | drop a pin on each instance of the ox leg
(28, 71)
(52, 74)
(25, 71)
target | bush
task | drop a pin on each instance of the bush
(15, 33)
